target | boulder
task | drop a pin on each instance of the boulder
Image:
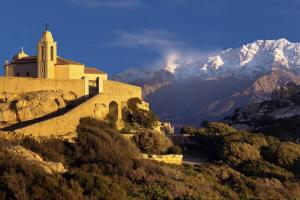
(69, 96)
(143, 105)
(11, 97)
(8, 114)
(25, 114)
(48, 107)
(28, 106)
(35, 159)
(167, 128)
(22, 104)
(60, 102)
(101, 111)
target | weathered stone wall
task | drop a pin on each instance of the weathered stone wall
(61, 125)
(121, 89)
(22, 85)
(169, 159)
(97, 106)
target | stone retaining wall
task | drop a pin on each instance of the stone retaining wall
(20, 85)
(169, 159)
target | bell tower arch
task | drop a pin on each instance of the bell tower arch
(47, 55)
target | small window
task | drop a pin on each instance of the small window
(18, 74)
(27, 74)
(52, 53)
(43, 53)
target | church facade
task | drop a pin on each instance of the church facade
(48, 65)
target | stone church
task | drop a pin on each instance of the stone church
(48, 65)
(93, 94)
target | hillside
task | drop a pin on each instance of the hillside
(103, 164)
(279, 116)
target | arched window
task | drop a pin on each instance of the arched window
(43, 53)
(18, 74)
(27, 74)
(113, 111)
(52, 53)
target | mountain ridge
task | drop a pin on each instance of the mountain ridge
(254, 58)
(211, 87)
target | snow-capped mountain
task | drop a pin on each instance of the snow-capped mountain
(250, 60)
(216, 84)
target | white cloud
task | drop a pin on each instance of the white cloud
(155, 39)
(173, 52)
(107, 3)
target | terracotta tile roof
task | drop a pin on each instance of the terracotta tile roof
(92, 70)
(33, 59)
(63, 61)
(29, 59)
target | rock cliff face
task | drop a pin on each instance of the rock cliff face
(280, 115)
(22, 107)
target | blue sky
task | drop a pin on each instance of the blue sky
(117, 34)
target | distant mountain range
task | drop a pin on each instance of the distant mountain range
(212, 86)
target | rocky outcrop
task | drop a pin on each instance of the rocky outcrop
(22, 107)
(143, 106)
(35, 159)
(263, 87)
(280, 115)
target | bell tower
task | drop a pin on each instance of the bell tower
(47, 56)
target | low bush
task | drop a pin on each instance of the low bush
(188, 130)
(217, 128)
(51, 150)
(287, 155)
(174, 150)
(104, 147)
(133, 115)
(152, 142)
(264, 169)
(238, 152)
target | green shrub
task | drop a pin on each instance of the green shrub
(133, 115)
(97, 186)
(152, 142)
(103, 146)
(188, 130)
(264, 169)
(21, 179)
(132, 103)
(174, 150)
(217, 128)
(287, 155)
(112, 120)
(51, 150)
(237, 152)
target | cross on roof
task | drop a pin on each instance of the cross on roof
(46, 26)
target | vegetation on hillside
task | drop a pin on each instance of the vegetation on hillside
(136, 118)
(102, 164)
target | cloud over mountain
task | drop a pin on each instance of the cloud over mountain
(211, 86)
(155, 39)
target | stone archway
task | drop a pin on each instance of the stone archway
(113, 111)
